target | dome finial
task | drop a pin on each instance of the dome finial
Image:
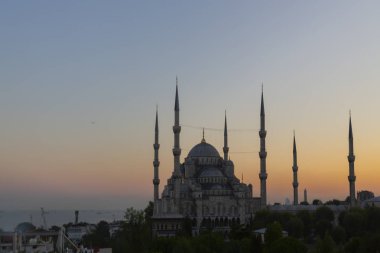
(203, 135)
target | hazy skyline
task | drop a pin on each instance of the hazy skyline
(80, 81)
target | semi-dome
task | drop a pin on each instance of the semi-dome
(203, 149)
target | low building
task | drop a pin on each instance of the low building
(374, 202)
(365, 195)
(76, 232)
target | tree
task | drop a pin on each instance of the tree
(372, 243)
(295, 227)
(323, 220)
(287, 245)
(273, 232)
(257, 244)
(334, 202)
(317, 202)
(208, 242)
(133, 217)
(148, 212)
(307, 221)
(373, 219)
(135, 233)
(338, 234)
(324, 212)
(325, 245)
(354, 245)
(261, 219)
(182, 245)
(100, 237)
(186, 228)
(354, 222)
(322, 226)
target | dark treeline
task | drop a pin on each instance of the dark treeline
(353, 231)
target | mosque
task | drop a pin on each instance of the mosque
(204, 189)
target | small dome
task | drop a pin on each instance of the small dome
(25, 227)
(203, 149)
(211, 172)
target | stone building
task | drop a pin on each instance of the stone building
(203, 189)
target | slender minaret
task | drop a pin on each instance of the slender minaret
(295, 170)
(156, 162)
(176, 131)
(225, 147)
(305, 195)
(263, 154)
(351, 161)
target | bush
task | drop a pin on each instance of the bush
(287, 245)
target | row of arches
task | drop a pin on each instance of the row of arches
(220, 210)
(219, 222)
(163, 226)
(212, 180)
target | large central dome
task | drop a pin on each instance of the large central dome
(203, 149)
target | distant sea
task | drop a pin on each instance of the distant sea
(10, 219)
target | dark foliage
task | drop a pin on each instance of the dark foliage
(358, 232)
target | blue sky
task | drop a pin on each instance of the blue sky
(80, 81)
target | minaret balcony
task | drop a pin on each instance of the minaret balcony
(176, 151)
(295, 185)
(156, 181)
(295, 168)
(263, 176)
(351, 178)
(226, 149)
(156, 163)
(351, 158)
(263, 154)
(156, 146)
(176, 129)
(262, 133)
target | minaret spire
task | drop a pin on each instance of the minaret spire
(225, 147)
(351, 162)
(262, 154)
(176, 105)
(176, 131)
(295, 170)
(156, 162)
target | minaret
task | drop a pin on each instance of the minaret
(225, 147)
(176, 131)
(156, 162)
(263, 154)
(351, 161)
(295, 169)
(305, 195)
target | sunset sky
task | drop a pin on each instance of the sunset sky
(80, 81)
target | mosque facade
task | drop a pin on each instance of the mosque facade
(204, 188)
(204, 191)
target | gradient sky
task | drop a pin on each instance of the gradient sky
(80, 80)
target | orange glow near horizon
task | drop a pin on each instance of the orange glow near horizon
(78, 95)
